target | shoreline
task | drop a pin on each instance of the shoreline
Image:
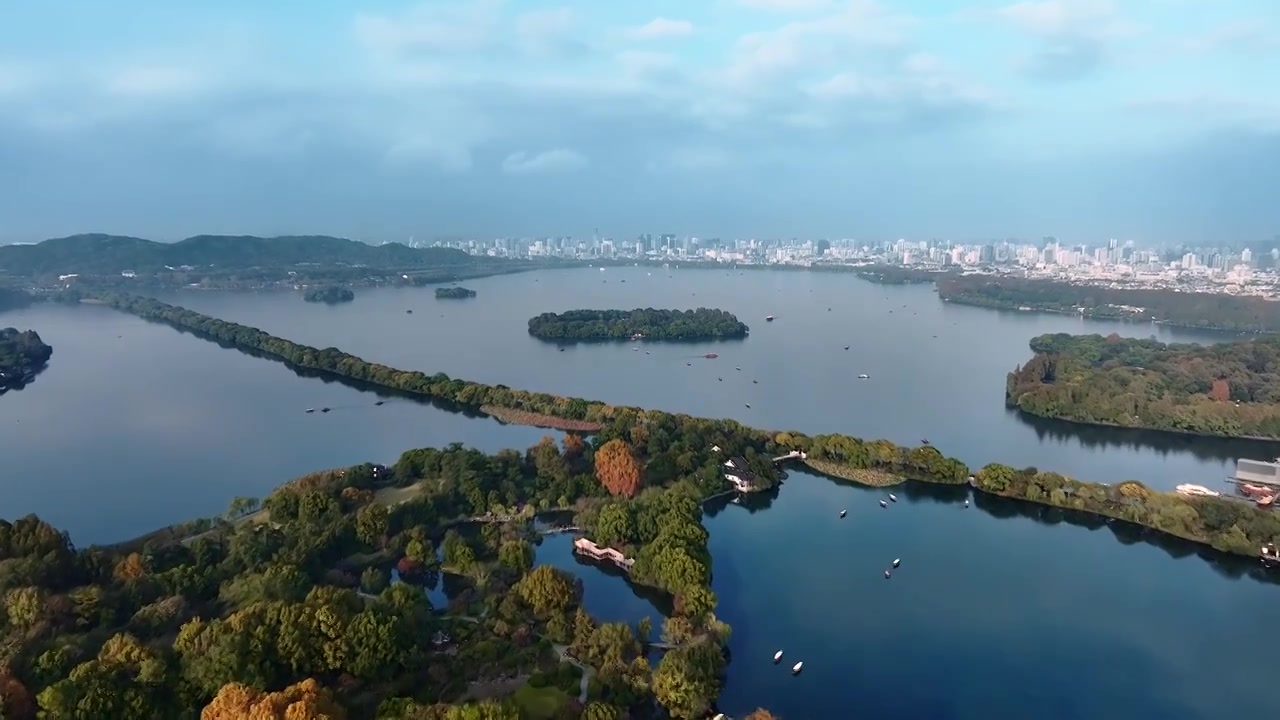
(513, 416)
(924, 463)
(1147, 428)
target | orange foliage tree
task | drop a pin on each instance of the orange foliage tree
(306, 700)
(761, 714)
(618, 468)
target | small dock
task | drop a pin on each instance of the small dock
(793, 455)
(583, 546)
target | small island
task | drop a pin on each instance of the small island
(330, 295)
(1225, 389)
(638, 324)
(22, 355)
(454, 293)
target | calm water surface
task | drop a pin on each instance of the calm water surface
(937, 370)
(994, 613)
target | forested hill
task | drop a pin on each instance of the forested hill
(103, 254)
(1230, 389)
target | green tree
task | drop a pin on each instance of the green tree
(371, 524)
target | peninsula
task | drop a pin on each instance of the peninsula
(330, 295)
(22, 355)
(1225, 389)
(1215, 311)
(295, 594)
(1222, 523)
(454, 293)
(638, 324)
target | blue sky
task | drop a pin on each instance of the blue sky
(1152, 120)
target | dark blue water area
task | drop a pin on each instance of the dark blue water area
(985, 618)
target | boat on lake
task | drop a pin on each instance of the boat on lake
(843, 513)
(1195, 490)
(795, 669)
(864, 376)
(777, 656)
(711, 356)
(884, 504)
(893, 498)
(897, 562)
(887, 574)
(768, 318)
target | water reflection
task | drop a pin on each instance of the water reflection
(1104, 438)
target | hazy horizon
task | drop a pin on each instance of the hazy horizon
(1156, 121)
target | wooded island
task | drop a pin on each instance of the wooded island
(331, 295)
(638, 324)
(1228, 389)
(22, 355)
(454, 293)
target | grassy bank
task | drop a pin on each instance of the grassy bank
(862, 476)
(513, 416)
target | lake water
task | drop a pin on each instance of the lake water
(993, 613)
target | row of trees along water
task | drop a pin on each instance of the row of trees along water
(1220, 522)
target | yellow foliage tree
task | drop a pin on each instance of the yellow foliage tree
(307, 700)
(618, 468)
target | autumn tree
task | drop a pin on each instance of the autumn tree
(546, 590)
(16, 702)
(761, 714)
(306, 700)
(618, 468)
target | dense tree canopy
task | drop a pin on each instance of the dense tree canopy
(330, 295)
(618, 469)
(1230, 389)
(454, 293)
(650, 324)
(1175, 307)
(22, 354)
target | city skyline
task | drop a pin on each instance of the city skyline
(1148, 119)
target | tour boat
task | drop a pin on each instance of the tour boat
(897, 562)
(720, 379)
(380, 403)
(1265, 502)
(966, 503)
(1253, 490)
(846, 347)
(311, 410)
(755, 382)
(777, 656)
(893, 497)
(884, 504)
(711, 356)
(863, 376)
(768, 318)
(843, 513)
(324, 410)
(924, 441)
(689, 364)
(561, 349)
(795, 670)
(886, 574)
(738, 369)
(748, 404)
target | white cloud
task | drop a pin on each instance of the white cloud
(786, 5)
(1246, 35)
(153, 81)
(548, 161)
(660, 28)
(545, 25)
(1076, 35)
(440, 28)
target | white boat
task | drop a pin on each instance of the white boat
(966, 503)
(886, 574)
(1195, 490)
(897, 562)
(893, 497)
(884, 504)
(843, 513)
(863, 376)
(777, 656)
(795, 670)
